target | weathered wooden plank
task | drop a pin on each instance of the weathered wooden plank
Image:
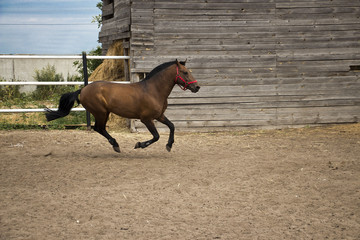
(114, 32)
(278, 116)
(284, 35)
(261, 103)
(239, 80)
(317, 10)
(318, 67)
(142, 27)
(223, 29)
(319, 45)
(288, 118)
(141, 13)
(319, 16)
(205, 125)
(349, 89)
(322, 51)
(318, 19)
(218, 17)
(316, 28)
(209, 58)
(119, 24)
(266, 61)
(219, 1)
(264, 102)
(315, 115)
(243, 7)
(122, 12)
(316, 4)
(292, 115)
(223, 47)
(222, 41)
(211, 23)
(108, 10)
(301, 42)
(336, 65)
(216, 35)
(238, 12)
(185, 54)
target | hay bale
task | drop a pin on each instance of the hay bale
(111, 69)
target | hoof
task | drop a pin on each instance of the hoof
(168, 148)
(117, 149)
(137, 145)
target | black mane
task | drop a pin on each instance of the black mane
(160, 68)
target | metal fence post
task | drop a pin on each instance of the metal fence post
(86, 82)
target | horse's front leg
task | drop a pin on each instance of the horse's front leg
(171, 126)
(151, 127)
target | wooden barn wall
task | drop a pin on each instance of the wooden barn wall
(259, 62)
(115, 22)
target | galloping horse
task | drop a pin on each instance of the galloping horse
(145, 100)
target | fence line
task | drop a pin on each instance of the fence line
(30, 110)
(52, 83)
(83, 57)
(60, 57)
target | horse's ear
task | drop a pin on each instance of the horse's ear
(183, 63)
(177, 63)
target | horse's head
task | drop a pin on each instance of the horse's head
(185, 79)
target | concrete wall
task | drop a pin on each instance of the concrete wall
(24, 69)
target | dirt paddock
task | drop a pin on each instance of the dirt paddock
(274, 184)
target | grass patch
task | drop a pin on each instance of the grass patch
(10, 121)
(44, 97)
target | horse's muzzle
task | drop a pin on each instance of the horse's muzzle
(194, 88)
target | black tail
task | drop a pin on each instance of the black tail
(67, 101)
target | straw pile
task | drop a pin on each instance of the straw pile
(110, 69)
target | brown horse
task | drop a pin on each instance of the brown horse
(145, 100)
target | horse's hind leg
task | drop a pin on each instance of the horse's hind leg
(100, 127)
(171, 126)
(151, 127)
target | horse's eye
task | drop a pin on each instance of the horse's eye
(186, 73)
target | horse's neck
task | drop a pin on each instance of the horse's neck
(163, 82)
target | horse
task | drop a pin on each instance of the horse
(145, 100)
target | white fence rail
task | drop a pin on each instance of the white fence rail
(30, 110)
(60, 57)
(52, 83)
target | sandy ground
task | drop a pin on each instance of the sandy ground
(274, 184)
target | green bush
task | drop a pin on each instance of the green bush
(92, 64)
(9, 93)
(44, 96)
(48, 74)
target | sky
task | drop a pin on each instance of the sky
(48, 26)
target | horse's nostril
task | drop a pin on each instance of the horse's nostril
(197, 87)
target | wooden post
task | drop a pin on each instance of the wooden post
(126, 61)
(86, 82)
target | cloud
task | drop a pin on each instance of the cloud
(47, 39)
(47, 27)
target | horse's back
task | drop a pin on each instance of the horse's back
(122, 99)
(92, 90)
(95, 95)
(102, 88)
